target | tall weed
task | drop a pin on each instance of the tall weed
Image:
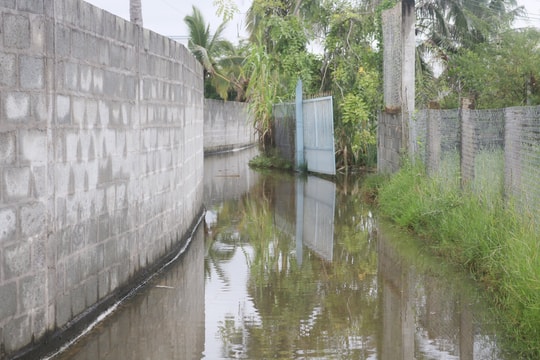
(483, 234)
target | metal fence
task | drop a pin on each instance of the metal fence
(495, 152)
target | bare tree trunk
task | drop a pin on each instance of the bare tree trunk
(135, 12)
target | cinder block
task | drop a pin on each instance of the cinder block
(16, 31)
(39, 323)
(7, 148)
(40, 109)
(8, 300)
(10, 4)
(86, 78)
(72, 139)
(17, 106)
(91, 291)
(103, 284)
(8, 70)
(111, 253)
(38, 33)
(39, 253)
(73, 272)
(8, 225)
(78, 299)
(104, 52)
(63, 310)
(78, 237)
(33, 218)
(63, 243)
(33, 147)
(63, 41)
(103, 110)
(78, 45)
(17, 183)
(91, 113)
(63, 109)
(71, 76)
(17, 333)
(31, 6)
(92, 233)
(17, 260)
(31, 70)
(104, 228)
(32, 292)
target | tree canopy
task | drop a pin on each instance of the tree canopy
(464, 48)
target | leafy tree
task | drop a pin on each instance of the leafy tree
(226, 9)
(447, 27)
(277, 58)
(209, 50)
(352, 72)
(499, 74)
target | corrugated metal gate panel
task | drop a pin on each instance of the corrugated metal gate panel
(319, 135)
(318, 216)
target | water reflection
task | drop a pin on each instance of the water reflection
(227, 176)
(348, 290)
(296, 268)
(164, 322)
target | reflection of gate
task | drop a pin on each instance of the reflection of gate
(317, 218)
(319, 135)
(317, 121)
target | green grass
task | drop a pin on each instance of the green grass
(270, 161)
(480, 232)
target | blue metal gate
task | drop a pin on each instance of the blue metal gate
(317, 124)
(319, 135)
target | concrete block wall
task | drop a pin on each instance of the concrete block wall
(101, 159)
(390, 145)
(227, 125)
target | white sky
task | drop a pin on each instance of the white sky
(167, 16)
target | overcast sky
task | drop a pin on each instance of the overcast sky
(167, 16)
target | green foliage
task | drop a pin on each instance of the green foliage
(261, 90)
(207, 48)
(483, 235)
(500, 74)
(263, 161)
(352, 72)
(226, 9)
(355, 122)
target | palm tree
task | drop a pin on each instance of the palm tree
(450, 24)
(135, 12)
(210, 50)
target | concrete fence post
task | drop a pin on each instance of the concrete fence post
(299, 127)
(467, 151)
(433, 138)
(512, 151)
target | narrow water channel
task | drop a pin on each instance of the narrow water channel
(296, 268)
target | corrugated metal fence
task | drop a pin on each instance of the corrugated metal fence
(318, 120)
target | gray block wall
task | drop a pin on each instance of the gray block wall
(101, 159)
(227, 125)
(390, 144)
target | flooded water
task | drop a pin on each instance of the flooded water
(295, 268)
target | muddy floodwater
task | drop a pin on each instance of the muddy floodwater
(289, 267)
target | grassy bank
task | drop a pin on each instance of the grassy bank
(484, 235)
